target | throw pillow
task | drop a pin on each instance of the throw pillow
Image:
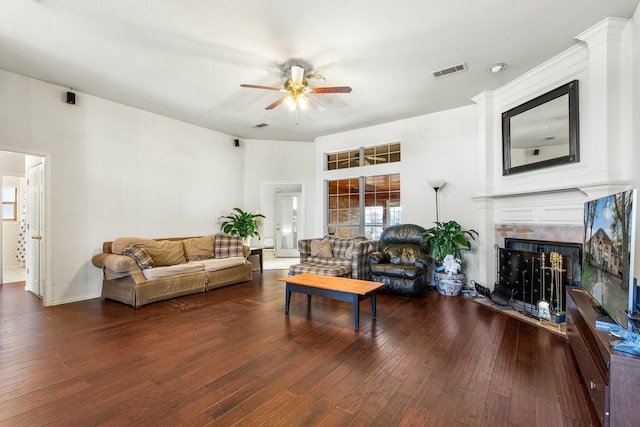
(225, 246)
(321, 248)
(140, 255)
(165, 252)
(198, 248)
(349, 252)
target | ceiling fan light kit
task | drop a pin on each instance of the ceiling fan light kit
(297, 89)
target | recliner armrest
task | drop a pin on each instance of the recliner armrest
(378, 258)
(424, 261)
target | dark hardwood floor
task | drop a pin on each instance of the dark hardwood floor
(232, 357)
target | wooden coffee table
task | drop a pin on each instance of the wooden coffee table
(337, 288)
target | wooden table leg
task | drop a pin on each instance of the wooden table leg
(373, 305)
(308, 299)
(356, 312)
(287, 298)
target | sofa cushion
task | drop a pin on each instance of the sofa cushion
(321, 248)
(171, 270)
(121, 243)
(198, 248)
(165, 252)
(328, 261)
(225, 246)
(216, 264)
(340, 246)
(140, 255)
(321, 269)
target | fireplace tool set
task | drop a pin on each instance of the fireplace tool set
(545, 308)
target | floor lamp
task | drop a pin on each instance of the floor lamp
(436, 184)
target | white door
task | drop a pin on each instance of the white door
(35, 230)
(288, 224)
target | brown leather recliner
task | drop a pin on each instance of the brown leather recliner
(402, 261)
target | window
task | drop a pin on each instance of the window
(344, 207)
(388, 153)
(9, 203)
(365, 156)
(363, 206)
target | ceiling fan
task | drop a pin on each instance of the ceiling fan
(297, 91)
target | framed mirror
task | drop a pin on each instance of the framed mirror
(542, 132)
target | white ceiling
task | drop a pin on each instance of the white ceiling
(186, 59)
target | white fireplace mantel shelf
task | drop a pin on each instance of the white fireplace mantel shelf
(591, 191)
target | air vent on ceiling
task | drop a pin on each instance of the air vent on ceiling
(261, 125)
(450, 70)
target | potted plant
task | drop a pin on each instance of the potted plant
(242, 224)
(448, 240)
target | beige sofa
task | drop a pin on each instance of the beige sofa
(139, 271)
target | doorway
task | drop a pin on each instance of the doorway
(14, 241)
(21, 237)
(288, 213)
(275, 193)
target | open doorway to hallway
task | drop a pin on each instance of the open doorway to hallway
(283, 206)
(17, 245)
(14, 200)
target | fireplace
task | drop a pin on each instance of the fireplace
(524, 266)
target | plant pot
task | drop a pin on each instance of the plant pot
(449, 285)
(246, 241)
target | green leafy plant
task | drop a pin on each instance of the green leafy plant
(448, 238)
(240, 223)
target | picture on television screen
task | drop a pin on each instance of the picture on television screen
(609, 230)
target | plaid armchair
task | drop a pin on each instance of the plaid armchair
(349, 252)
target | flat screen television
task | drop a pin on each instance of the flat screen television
(608, 253)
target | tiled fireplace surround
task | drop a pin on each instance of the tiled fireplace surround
(550, 233)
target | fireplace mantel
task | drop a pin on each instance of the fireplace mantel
(590, 191)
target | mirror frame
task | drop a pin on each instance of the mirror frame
(571, 89)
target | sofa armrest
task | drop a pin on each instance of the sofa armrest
(304, 248)
(360, 260)
(98, 260)
(115, 266)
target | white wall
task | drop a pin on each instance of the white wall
(442, 145)
(113, 170)
(277, 164)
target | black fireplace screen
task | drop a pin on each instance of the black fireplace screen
(519, 269)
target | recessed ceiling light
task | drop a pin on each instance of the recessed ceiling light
(496, 68)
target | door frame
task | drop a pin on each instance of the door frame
(47, 275)
(268, 190)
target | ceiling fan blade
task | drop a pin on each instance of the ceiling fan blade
(297, 74)
(315, 105)
(260, 87)
(335, 89)
(275, 103)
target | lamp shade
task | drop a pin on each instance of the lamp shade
(436, 183)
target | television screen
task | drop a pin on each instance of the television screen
(609, 235)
